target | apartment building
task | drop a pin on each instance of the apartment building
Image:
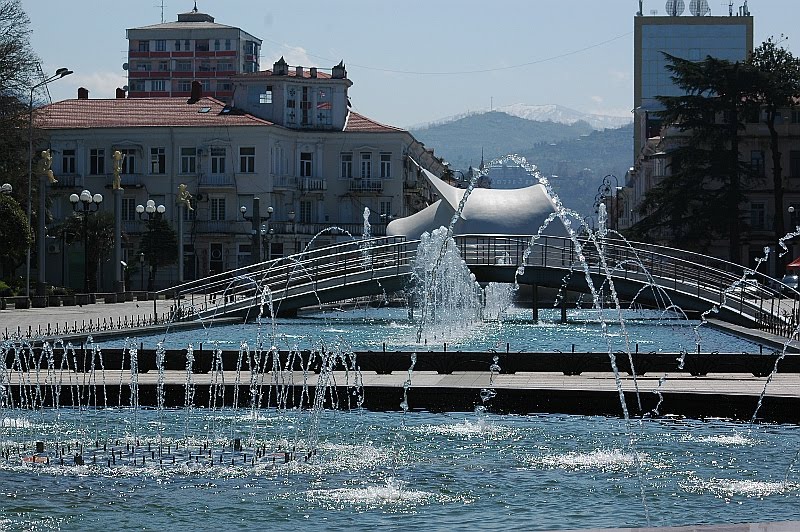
(164, 59)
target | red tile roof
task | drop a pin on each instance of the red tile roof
(140, 112)
(357, 123)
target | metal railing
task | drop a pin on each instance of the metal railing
(671, 274)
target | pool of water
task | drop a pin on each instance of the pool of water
(391, 328)
(456, 471)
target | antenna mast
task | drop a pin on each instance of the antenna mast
(162, 11)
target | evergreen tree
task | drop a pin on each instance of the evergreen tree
(99, 239)
(160, 247)
(701, 198)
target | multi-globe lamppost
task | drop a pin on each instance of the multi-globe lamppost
(153, 212)
(257, 232)
(88, 204)
(60, 73)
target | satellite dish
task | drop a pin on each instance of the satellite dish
(699, 8)
(675, 7)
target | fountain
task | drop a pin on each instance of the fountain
(236, 425)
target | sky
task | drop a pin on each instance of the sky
(412, 61)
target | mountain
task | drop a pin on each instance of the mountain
(494, 134)
(578, 154)
(563, 115)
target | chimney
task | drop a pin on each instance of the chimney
(120, 93)
(299, 71)
(313, 72)
(83, 93)
(197, 92)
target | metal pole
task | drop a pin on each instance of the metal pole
(40, 238)
(119, 284)
(30, 179)
(255, 219)
(86, 248)
(181, 213)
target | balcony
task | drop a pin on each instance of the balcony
(308, 184)
(131, 180)
(68, 181)
(366, 185)
(216, 181)
(227, 227)
(284, 182)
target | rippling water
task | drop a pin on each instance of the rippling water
(446, 471)
(372, 329)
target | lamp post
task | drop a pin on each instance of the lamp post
(141, 272)
(153, 212)
(605, 191)
(6, 189)
(60, 73)
(88, 204)
(291, 216)
(255, 232)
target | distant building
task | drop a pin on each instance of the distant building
(293, 142)
(508, 175)
(687, 37)
(163, 59)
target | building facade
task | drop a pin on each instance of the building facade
(686, 37)
(317, 170)
(164, 59)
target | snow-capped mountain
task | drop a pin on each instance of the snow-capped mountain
(563, 115)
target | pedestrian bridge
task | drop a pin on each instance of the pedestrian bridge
(639, 274)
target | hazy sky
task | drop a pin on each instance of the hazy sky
(411, 62)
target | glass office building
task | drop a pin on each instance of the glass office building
(687, 37)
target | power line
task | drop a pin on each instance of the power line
(478, 71)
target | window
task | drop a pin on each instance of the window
(157, 85)
(217, 209)
(184, 86)
(97, 161)
(161, 46)
(243, 255)
(757, 216)
(247, 160)
(177, 46)
(186, 45)
(266, 96)
(305, 212)
(324, 106)
(128, 161)
(366, 165)
(201, 45)
(226, 66)
(183, 66)
(158, 161)
(137, 86)
(206, 83)
(224, 86)
(227, 44)
(143, 67)
(204, 66)
(347, 165)
(757, 163)
(68, 162)
(216, 45)
(386, 209)
(163, 66)
(795, 116)
(305, 164)
(794, 163)
(188, 160)
(386, 165)
(144, 46)
(305, 107)
(794, 216)
(128, 209)
(217, 155)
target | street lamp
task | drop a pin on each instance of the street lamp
(153, 212)
(605, 191)
(88, 204)
(141, 272)
(60, 73)
(255, 232)
(6, 189)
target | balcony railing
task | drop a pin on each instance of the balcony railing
(308, 184)
(222, 226)
(284, 181)
(131, 180)
(366, 185)
(216, 181)
(68, 181)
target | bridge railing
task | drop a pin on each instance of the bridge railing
(729, 286)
